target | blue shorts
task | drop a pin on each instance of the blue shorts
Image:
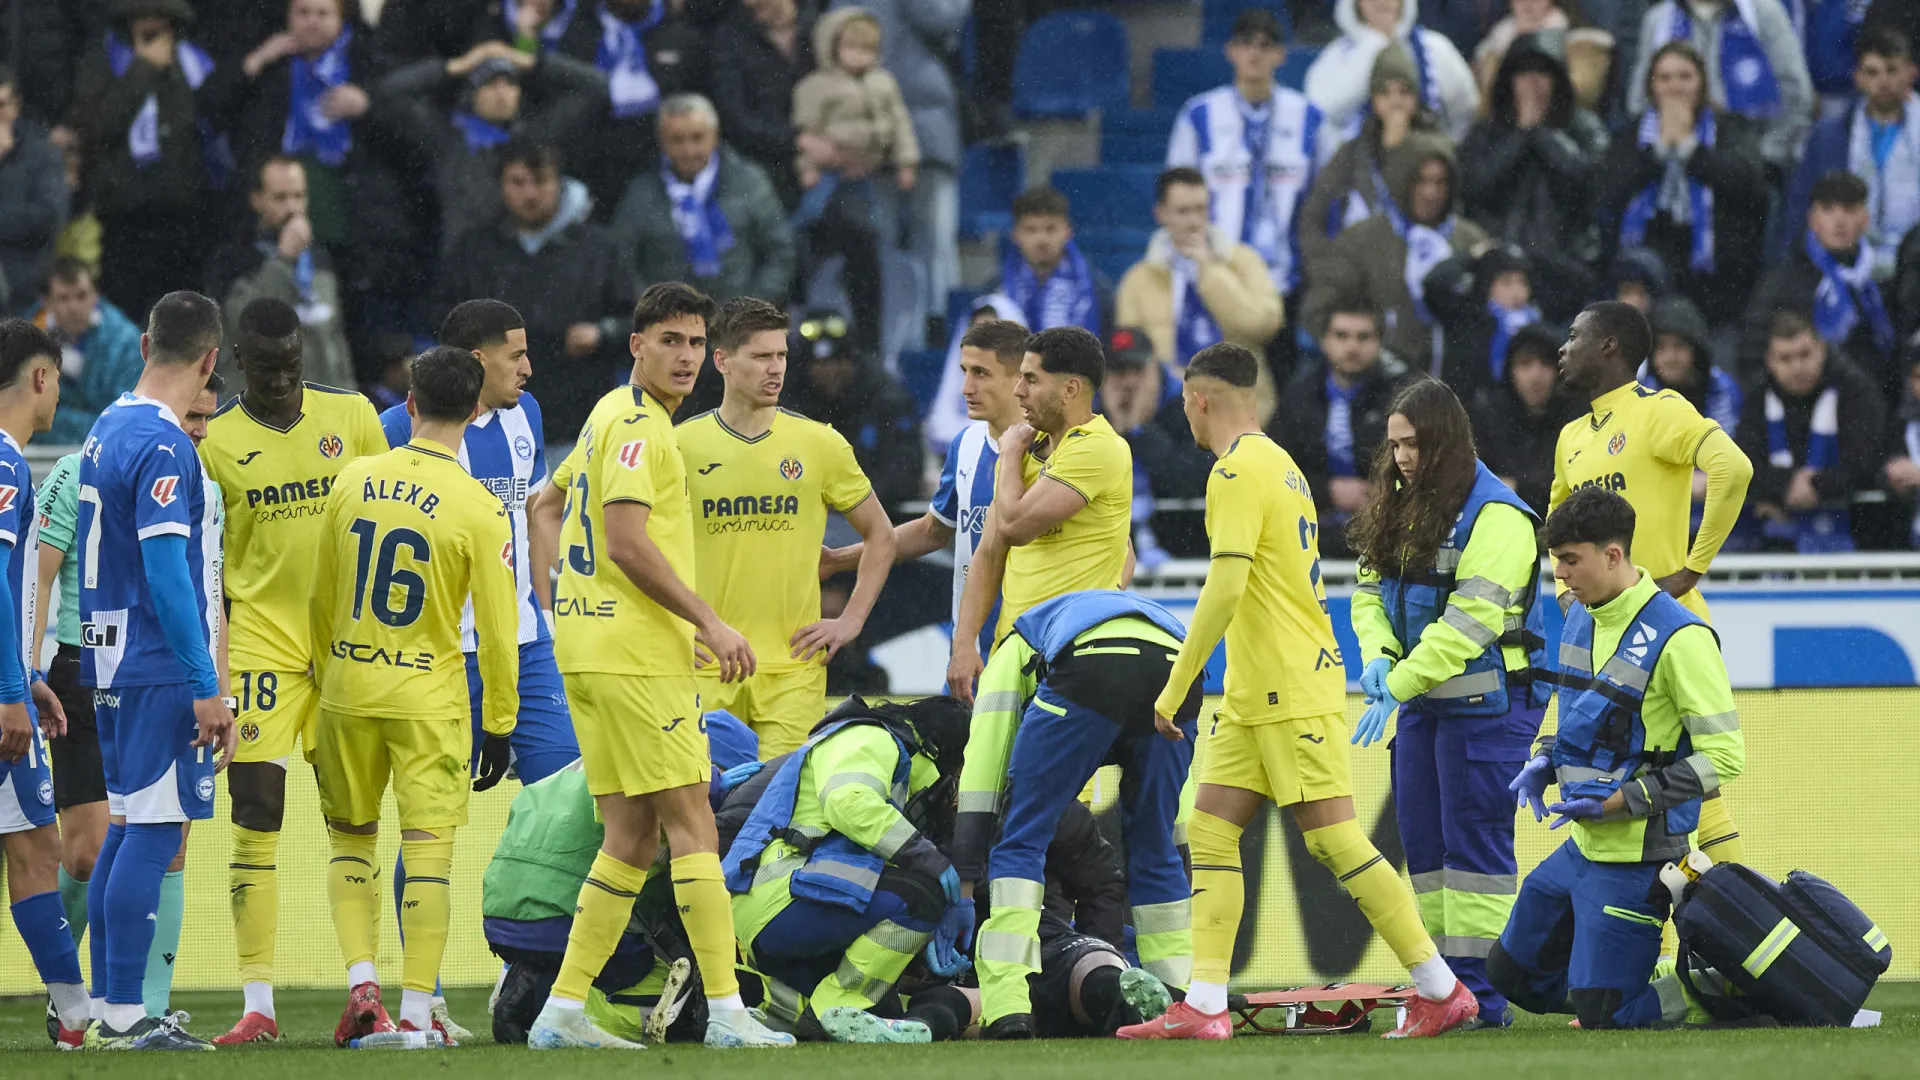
(26, 786)
(542, 738)
(155, 775)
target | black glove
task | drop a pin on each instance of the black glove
(496, 753)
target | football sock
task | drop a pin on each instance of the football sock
(1373, 883)
(55, 956)
(1219, 894)
(259, 997)
(351, 893)
(133, 900)
(424, 910)
(254, 895)
(606, 903)
(1100, 995)
(707, 912)
(73, 897)
(944, 1009)
(97, 908)
(1718, 836)
(416, 1009)
(156, 989)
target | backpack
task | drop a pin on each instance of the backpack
(1797, 951)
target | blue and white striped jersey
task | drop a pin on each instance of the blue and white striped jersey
(961, 501)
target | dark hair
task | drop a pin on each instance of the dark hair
(670, 299)
(1232, 364)
(268, 317)
(215, 383)
(1070, 350)
(20, 342)
(1403, 527)
(1180, 175)
(1626, 325)
(1040, 202)
(1787, 324)
(1591, 515)
(1884, 41)
(1356, 303)
(1004, 338)
(742, 317)
(446, 383)
(1838, 187)
(476, 324)
(1685, 50)
(534, 155)
(183, 327)
(68, 270)
(259, 178)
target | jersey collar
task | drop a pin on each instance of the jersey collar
(1605, 405)
(7, 436)
(1621, 609)
(1246, 435)
(1096, 426)
(426, 447)
(748, 439)
(241, 397)
(131, 398)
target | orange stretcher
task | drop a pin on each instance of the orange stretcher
(1333, 1009)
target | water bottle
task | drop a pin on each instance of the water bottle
(399, 1040)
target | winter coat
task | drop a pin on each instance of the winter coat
(864, 115)
(753, 85)
(1175, 467)
(1783, 133)
(1862, 435)
(1589, 59)
(1236, 287)
(1789, 285)
(1903, 292)
(760, 262)
(102, 112)
(1828, 148)
(33, 210)
(111, 365)
(1300, 424)
(922, 49)
(1337, 81)
(1714, 393)
(1456, 293)
(1086, 881)
(251, 268)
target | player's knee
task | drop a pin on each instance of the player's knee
(523, 991)
(1595, 1006)
(259, 793)
(79, 863)
(371, 828)
(1514, 982)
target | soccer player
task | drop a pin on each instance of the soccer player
(1645, 732)
(1280, 734)
(761, 483)
(274, 450)
(1449, 579)
(149, 613)
(408, 536)
(1059, 521)
(1644, 445)
(626, 619)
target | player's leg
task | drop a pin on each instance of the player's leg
(79, 787)
(1619, 909)
(1719, 837)
(30, 842)
(1481, 877)
(1416, 808)
(543, 739)
(1153, 770)
(850, 960)
(1528, 965)
(785, 707)
(351, 764)
(429, 762)
(156, 990)
(106, 713)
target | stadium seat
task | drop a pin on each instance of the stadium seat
(1112, 251)
(1135, 137)
(920, 371)
(960, 306)
(990, 176)
(1115, 196)
(1178, 74)
(1216, 18)
(1071, 63)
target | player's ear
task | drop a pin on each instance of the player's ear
(413, 411)
(207, 361)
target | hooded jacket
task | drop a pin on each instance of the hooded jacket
(102, 111)
(874, 413)
(1236, 287)
(1515, 442)
(111, 348)
(1715, 393)
(864, 115)
(1589, 57)
(33, 209)
(1457, 294)
(922, 42)
(1338, 80)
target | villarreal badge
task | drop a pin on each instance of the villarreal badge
(332, 446)
(1617, 443)
(791, 468)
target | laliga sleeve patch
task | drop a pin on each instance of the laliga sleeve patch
(8, 493)
(631, 453)
(165, 490)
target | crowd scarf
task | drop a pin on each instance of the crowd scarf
(1697, 206)
(480, 134)
(1193, 325)
(1506, 323)
(308, 129)
(1256, 131)
(698, 216)
(1429, 87)
(1339, 433)
(1845, 293)
(1066, 298)
(1746, 75)
(630, 85)
(1427, 247)
(550, 31)
(1823, 434)
(143, 136)
(1892, 174)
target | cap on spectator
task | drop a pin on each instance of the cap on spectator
(493, 67)
(1499, 259)
(1128, 349)
(1257, 22)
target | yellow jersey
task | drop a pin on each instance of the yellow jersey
(602, 622)
(275, 485)
(759, 516)
(1641, 444)
(408, 537)
(1282, 660)
(1089, 549)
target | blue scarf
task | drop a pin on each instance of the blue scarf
(630, 85)
(1256, 128)
(1066, 298)
(1427, 247)
(697, 215)
(143, 135)
(308, 130)
(1506, 323)
(1339, 434)
(1429, 88)
(480, 134)
(1814, 531)
(550, 31)
(1845, 293)
(1746, 74)
(1640, 211)
(1193, 325)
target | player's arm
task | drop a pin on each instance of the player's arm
(1004, 690)
(59, 507)
(16, 730)
(1500, 560)
(496, 622)
(1557, 493)
(1693, 677)
(984, 575)
(638, 557)
(829, 636)
(1370, 623)
(544, 515)
(1729, 472)
(1027, 513)
(857, 766)
(916, 539)
(1234, 518)
(326, 572)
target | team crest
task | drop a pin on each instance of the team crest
(46, 793)
(791, 468)
(206, 789)
(7, 494)
(165, 490)
(506, 554)
(250, 731)
(522, 447)
(1617, 443)
(630, 453)
(332, 446)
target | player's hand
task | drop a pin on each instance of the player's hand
(1373, 723)
(53, 715)
(1163, 723)
(1583, 809)
(16, 731)
(215, 723)
(1373, 681)
(1016, 441)
(740, 774)
(276, 48)
(1529, 787)
(729, 649)
(496, 753)
(345, 102)
(1679, 583)
(827, 636)
(963, 669)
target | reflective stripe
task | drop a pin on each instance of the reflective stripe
(778, 868)
(1717, 724)
(1476, 684)
(895, 838)
(783, 1000)
(1003, 701)
(858, 876)
(1163, 918)
(1770, 948)
(1473, 914)
(1703, 769)
(1050, 707)
(855, 981)
(1013, 892)
(1577, 774)
(1626, 674)
(1446, 560)
(1489, 884)
(1372, 588)
(1172, 970)
(1099, 650)
(1875, 938)
(1632, 916)
(1001, 947)
(1454, 945)
(979, 802)
(1429, 882)
(893, 937)
(1479, 588)
(847, 779)
(1470, 628)
(1575, 657)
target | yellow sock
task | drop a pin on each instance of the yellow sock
(253, 886)
(707, 912)
(600, 917)
(1219, 894)
(424, 908)
(351, 892)
(1383, 898)
(1718, 837)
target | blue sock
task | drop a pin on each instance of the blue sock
(73, 897)
(133, 899)
(54, 953)
(97, 906)
(156, 990)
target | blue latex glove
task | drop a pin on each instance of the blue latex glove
(740, 774)
(1373, 722)
(1585, 809)
(950, 885)
(1529, 788)
(1373, 681)
(944, 953)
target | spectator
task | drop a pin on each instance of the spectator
(1481, 303)
(1527, 171)
(417, 29)
(136, 116)
(1683, 361)
(948, 413)
(854, 105)
(1256, 142)
(39, 40)
(564, 274)
(1901, 15)
(1350, 189)
(1828, 278)
(1687, 184)
(1333, 415)
(1830, 34)
(838, 384)
(1589, 50)
(1906, 286)
(1903, 467)
(494, 84)
(1517, 423)
(1340, 77)
(99, 349)
(33, 200)
(1197, 285)
(1814, 434)
(759, 55)
(1637, 277)
(1754, 64)
(1043, 272)
(1141, 399)
(1876, 139)
(278, 257)
(1386, 259)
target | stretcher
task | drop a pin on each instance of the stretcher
(1333, 1009)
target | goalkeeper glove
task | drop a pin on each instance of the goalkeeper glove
(496, 754)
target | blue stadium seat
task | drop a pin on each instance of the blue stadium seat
(1112, 251)
(1115, 196)
(1071, 63)
(1293, 73)
(1135, 137)
(1216, 18)
(960, 306)
(990, 176)
(920, 371)
(1178, 74)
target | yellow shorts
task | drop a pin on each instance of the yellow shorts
(1288, 761)
(354, 755)
(276, 707)
(638, 733)
(780, 706)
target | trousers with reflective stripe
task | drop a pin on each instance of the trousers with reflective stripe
(1583, 938)
(833, 955)
(1059, 747)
